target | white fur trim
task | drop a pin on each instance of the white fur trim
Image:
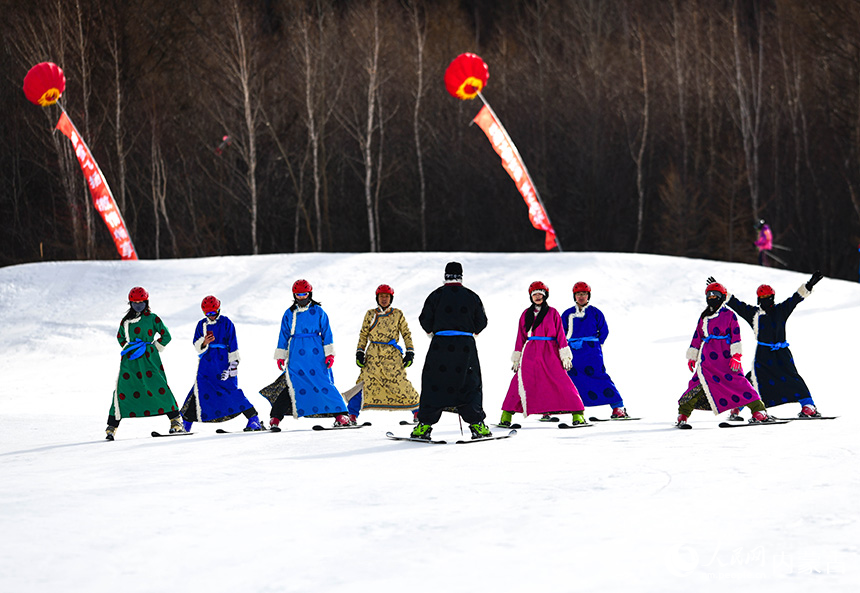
(521, 388)
(430, 335)
(234, 356)
(198, 345)
(736, 348)
(328, 349)
(803, 291)
(692, 353)
(565, 353)
(280, 353)
(159, 346)
(516, 356)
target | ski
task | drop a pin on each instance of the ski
(730, 425)
(393, 437)
(407, 423)
(595, 419)
(319, 427)
(563, 425)
(550, 419)
(684, 426)
(807, 418)
(489, 438)
(510, 426)
(222, 431)
(170, 434)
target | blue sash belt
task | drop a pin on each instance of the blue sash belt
(541, 339)
(576, 343)
(709, 338)
(390, 343)
(776, 346)
(212, 346)
(135, 349)
(452, 332)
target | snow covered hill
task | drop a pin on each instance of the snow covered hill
(634, 507)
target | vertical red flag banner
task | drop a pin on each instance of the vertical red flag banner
(102, 197)
(513, 164)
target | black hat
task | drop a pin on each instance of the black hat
(453, 272)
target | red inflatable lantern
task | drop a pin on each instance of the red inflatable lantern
(466, 75)
(44, 84)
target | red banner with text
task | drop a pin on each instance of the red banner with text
(513, 164)
(102, 197)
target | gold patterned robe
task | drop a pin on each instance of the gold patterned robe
(386, 386)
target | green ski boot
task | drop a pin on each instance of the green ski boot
(422, 431)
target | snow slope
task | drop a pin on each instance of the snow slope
(637, 506)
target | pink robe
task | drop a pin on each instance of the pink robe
(717, 339)
(541, 385)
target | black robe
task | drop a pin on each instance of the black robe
(774, 375)
(452, 372)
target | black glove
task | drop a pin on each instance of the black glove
(408, 358)
(814, 280)
(359, 358)
(711, 280)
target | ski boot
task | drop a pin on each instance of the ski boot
(619, 413)
(176, 425)
(274, 424)
(760, 417)
(110, 431)
(421, 431)
(735, 415)
(578, 418)
(809, 411)
(353, 420)
(480, 430)
(682, 421)
(505, 422)
(254, 424)
(341, 420)
(546, 418)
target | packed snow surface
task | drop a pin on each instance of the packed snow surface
(627, 507)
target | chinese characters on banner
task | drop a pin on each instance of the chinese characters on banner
(102, 197)
(513, 164)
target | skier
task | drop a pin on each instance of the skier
(215, 395)
(764, 242)
(774, 375)
(141, 385)
(541, 356)
(452, 316)
(586, 332)
(305, 354)
(382, 383)
(714, 356)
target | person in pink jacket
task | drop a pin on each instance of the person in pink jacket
(764, 242)
(541, 360)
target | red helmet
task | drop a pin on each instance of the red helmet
(581, 287)
(209, 304)
(538, 286)
(765, 290)
(302, 285)
(718, 287)
(384, 289)
(138, 293)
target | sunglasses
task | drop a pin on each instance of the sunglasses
(301, 295)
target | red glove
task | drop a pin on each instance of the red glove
(735, 365)
(691, 364)
(329, 361)
(281, 364)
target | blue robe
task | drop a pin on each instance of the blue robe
(304, 342)
(586, 331)
(774, 375)
(211, 399)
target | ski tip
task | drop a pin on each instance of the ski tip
(684, 426)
